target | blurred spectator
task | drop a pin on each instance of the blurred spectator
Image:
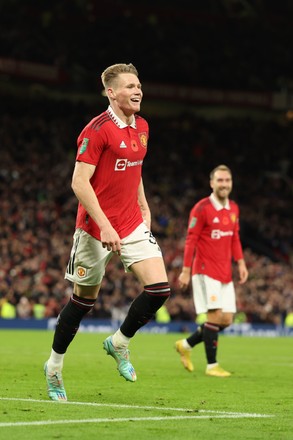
(289, 320)
(24, 308)
(39, 308)
(162, 315)
(8, 309)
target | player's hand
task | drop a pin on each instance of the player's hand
(183, 280)
(111, 240)
(243, 272)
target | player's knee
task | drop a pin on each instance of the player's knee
(227, 320)
(220, 318)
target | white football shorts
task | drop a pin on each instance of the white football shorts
(210, 294)
(88, 258)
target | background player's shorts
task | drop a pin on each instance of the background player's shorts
(210, 294)
(88, 258)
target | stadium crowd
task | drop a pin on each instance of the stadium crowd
(38, 207)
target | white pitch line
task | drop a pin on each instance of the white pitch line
(209, 413)
(128, 419)
(122, 405)
(112, 405)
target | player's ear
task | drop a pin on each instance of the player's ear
(110, 92)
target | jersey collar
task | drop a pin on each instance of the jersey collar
(217, 205)
(118, 121)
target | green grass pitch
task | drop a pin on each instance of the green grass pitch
(166, 402)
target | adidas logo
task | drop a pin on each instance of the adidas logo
(123, 145)
(216, 220)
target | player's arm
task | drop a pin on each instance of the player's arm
(237, 253)
(195, 225)
(84, 192)
(143, 204)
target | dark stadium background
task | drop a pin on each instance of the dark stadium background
(218, 81)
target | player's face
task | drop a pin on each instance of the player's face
(126, 94)
(222, 185)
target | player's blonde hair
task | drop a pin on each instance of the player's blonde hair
(110, 74)
(220, 168)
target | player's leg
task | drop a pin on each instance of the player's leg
(85, 269)
(141, 311)
(152, 274)
(221, 306)
(80, 303)
(185, 346)
(142, 256)
(211, 331)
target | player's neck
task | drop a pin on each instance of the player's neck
(222, 201)
(127, 119)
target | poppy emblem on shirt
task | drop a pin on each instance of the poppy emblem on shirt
(143, 139)
(81, 272)
(225, 220)
(84, 145)
(134, 145)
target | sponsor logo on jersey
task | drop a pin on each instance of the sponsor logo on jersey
(81, 272)
(84, 145)
(216, 220)
(192, 222)
(122, 164)
(123, 145)
(143, 139)
(216, 234)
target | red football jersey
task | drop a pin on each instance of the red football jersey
(117, 150)
(213, 239)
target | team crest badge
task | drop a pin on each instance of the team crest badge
(143, 139)
(81, 272)
(233, 217)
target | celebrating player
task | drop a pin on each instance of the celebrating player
(113, 217)
(212, 242)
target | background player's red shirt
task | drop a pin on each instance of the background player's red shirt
(117, 150)
(213, 236)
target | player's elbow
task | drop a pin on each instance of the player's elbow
(76, 185)
(73, 185)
